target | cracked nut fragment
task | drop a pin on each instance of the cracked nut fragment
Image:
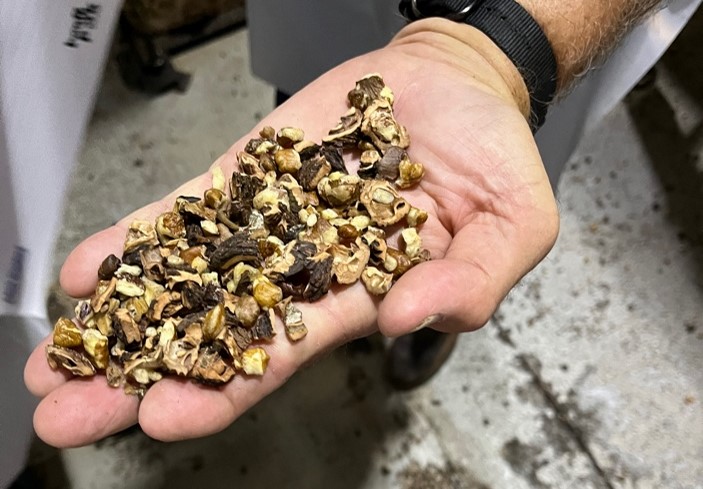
(140, 233)
(412, 241)
(287, 137)
(409, 173)
(292, 320)
(376, 281)
(349, 262)
(382, 128)
(169, 226)
(95, 344)
(383, 203)
(72, 360)
(255, 361)
(210, 368)
(347, 131)
(194, 292)
(339, 189)
(368, 89)
(108, 267)
(67, 334)
(287, 160)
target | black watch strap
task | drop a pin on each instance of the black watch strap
(513, 30)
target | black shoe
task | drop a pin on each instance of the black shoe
(413, 359)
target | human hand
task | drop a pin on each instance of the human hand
(492, 218)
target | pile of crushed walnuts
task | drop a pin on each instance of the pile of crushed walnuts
(195, 293)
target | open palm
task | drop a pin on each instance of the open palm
(492, 218)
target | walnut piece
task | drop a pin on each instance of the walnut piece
(339, 189)
(255, 361)
(140, 233)
(67, 334)
(95, 344)
(376, 281)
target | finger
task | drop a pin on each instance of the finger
(83, 411)
(481, 265)
(174, 409)
(39, 377)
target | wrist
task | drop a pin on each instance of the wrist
(468, 49)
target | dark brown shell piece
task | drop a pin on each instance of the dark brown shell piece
(244, 187)
(312, 171)
(307, 149)
(388, 167)
(238, 248)
(320, 267)
(347, 131)
(332, 152)
(108, 267)
(263, 328)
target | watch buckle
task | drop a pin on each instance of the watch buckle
(455, 16)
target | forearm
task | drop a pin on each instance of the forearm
(582, 31)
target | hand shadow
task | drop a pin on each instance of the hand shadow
(675, 148)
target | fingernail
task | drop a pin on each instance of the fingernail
(429, 321)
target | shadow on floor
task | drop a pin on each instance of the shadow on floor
(324, 429)
(675, 155)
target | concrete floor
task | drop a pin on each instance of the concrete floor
(589, 376)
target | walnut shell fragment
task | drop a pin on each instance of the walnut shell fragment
(349, 261)
(383, 203)
(210, 368)
(287, 137)
(382, 128)
(320, 267)
(72, 360)
(292, 320)
(347, 131)
(312, 171)
(140, 233)
(369, 88)
(194, 292)
(108, 267)
(238, 248)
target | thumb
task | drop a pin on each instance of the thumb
(460, 291)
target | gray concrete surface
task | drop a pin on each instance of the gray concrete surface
(589, 376)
